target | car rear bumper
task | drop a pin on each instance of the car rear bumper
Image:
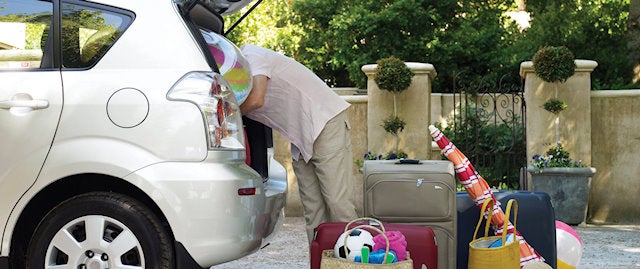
(206, 214)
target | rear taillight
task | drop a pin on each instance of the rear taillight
(215, 99)
(246, 191)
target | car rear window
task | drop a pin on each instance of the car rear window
(89, 32)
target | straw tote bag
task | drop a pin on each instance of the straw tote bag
(503, 256)
(329, 261)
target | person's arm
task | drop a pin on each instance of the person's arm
(255, 99)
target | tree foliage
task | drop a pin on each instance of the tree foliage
(462, 39)
(592, 30)
(344, 35)
(633, 37)
(269, 25)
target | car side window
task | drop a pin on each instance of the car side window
(88, 33)
(25, 26)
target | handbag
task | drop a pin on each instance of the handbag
(483, 252)
(329, 261)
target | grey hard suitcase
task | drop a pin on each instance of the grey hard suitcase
(415, 192)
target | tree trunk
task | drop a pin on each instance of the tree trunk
(522, 6)
(633, 37)
(396, 144)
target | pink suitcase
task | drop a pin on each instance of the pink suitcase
(421, 242)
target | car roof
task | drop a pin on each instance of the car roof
(208, 13)
(205, 13)
(222, 7)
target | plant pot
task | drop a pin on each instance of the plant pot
(568, 189)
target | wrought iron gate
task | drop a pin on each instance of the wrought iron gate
(488, 126)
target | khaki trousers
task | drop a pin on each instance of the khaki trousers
(326, 182)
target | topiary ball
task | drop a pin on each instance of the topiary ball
(393, 75)
(554, 64)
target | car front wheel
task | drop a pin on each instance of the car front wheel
(100, 230)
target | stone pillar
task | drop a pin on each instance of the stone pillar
(575, 121)
(414, 107)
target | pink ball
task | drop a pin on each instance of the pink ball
(569, 245)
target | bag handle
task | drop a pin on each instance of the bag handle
(386, 239)
(511, 204)
(489, 216)
(378, 222)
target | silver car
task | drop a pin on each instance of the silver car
(121, 139)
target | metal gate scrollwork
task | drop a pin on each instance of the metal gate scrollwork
(488, 126)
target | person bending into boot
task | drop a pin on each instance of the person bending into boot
(291, 99)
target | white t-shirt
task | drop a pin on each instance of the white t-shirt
(297, 103)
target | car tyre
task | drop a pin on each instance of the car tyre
(100, 230)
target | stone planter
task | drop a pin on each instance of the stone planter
(568, 189)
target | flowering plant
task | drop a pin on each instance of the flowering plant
(373, 156)
(389, 156)
(556, 156)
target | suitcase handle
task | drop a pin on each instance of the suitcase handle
(370, 220)
(408, 161)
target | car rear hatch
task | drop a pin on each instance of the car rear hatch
(206, 16)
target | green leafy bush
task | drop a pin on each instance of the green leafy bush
(555, 106)
(393, 125)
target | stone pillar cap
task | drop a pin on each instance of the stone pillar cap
(418, 68)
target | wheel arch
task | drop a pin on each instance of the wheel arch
(65, 188)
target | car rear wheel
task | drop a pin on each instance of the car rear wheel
(100, 230)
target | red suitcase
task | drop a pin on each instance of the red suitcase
(421, 242)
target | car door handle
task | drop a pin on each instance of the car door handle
(24, 100)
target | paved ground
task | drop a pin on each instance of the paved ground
(609, 246)
(606, 247)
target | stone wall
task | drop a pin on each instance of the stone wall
(615, 136)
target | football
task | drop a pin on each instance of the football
(357, 239)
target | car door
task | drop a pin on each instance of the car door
(30, 96)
